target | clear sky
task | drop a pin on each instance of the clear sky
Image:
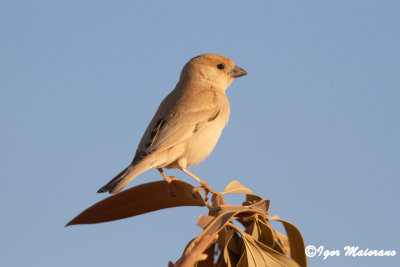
(314, 125)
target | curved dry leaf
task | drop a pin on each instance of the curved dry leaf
(252, 198)
(230, 250)
(261, 232)
(296, 242)
(139, 200)
(258, 245)
(195, 251)
(225, 215)
(274, 257)
(204, 220)
(258, 254)
(261, 206)
(235, 187)
(209, 261)
(262, 245)
(283, 241)
(215, 225)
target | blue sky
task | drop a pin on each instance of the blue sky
(314, 126)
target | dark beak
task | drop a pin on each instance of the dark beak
(238, 72)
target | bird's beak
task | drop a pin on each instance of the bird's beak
(238, 72)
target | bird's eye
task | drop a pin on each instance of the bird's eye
(220, 66)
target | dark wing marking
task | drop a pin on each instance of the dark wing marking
(197, 127)
(159, 125)
(138, 157)
(153, 135)
(213, 117)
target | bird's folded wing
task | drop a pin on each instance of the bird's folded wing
(182, 123)
(175, 132)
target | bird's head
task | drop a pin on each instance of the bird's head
(211, 69)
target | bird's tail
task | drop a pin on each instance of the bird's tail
(122, 179)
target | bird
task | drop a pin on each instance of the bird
(187, 124)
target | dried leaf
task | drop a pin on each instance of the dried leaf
(216, 224)
(139, 200)
(283, 242)
(261, 206)
(209, 261)
(266, 234)
(235, 187)
(257, 245)
(296, 242)
(195, 251)
(271, 256)
(258, 253)
(204, 220)
(252, 198)
(233, 249)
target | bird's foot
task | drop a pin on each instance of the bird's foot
(198, 189)
(216, 198)
(169, 180)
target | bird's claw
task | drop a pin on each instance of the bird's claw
(216, 198)
(200, 188)
(169, 179)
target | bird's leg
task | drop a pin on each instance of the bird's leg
(204, 186)
(169, 180)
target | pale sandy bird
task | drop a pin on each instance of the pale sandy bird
(188, 122)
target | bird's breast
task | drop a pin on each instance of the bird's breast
(203, 141)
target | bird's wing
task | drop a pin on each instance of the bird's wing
(173, 126)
